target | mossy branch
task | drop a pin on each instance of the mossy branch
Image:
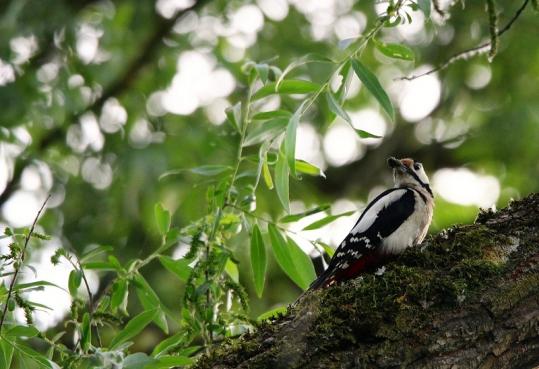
(467, 298)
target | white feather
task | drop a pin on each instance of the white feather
(370, 216)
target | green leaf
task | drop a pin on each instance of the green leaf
(327, 248)
(22, 331)
(324, 221)
(272, 313)
(233, 115)
(281, 181)
(162, 217)
(263, 131)
(266, 173)
(290, 86)
(302, 263)
(297, 216)
(138, 360)
(425, 7)
(179, 267)
(204, 170)
(119, 294)
(265, 115)
(292, 260)
(98, 265)
(395, 51)
(262, 71)
(133, 327)
(169, 343)
(95, 252)
(150, 301)
(307, 168)
(86, 332)
(231, 268)
(170, 361)
(306, 59)
(73, 282)
(373, 85)
(6, 353)
(336, 108)
(25, 286)
(258, 260)
(290, 140)
(364, 134)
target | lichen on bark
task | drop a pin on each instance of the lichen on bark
(466, 298)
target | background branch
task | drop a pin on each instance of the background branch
(469, 53)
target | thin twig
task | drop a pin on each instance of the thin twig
(466, 54)
(20, 262)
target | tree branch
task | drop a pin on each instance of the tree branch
(467, 298)
(469, 53)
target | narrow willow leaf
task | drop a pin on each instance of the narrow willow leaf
(6, 353)
(267, 174)
(336, 108)
(231, 268)
(425, 7)
(118, 297)
(133, 327)
(324, 221)
(282, 254)
(263, 131)
(307, 168)
(138, 360)
(36, 284)
(290, 86)
(86, 332)
(272, 313)
(302, 263)
(292, 260)
(258, 260)
(22, 331)
(364, 134)
(170, 342)
(204, 170)
(295, 217)
(343, 44)
(290, 140)
(265, 115)
(179, 267)
(233, 115)
(395, 51)
(170, 361)
(150, 301)
(95, 252)
(327, 248)
(306, 59)
(263, 71)
(373, 85)
(73, 282)
(282, 181)
(162, 217)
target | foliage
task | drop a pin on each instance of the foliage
(103, 328)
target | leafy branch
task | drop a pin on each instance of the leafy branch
(18, 264)
(490, 46)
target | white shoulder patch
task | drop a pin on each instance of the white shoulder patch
(368, 218)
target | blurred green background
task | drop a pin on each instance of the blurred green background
(99, 98)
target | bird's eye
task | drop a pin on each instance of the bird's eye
(417, 166)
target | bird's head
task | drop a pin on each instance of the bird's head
(408, 172)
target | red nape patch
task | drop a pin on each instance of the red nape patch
(364, 264)
(408, 162)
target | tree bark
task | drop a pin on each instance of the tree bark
(466, 298)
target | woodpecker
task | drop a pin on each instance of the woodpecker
(396, 219)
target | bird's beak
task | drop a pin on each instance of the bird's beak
(394, 163)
